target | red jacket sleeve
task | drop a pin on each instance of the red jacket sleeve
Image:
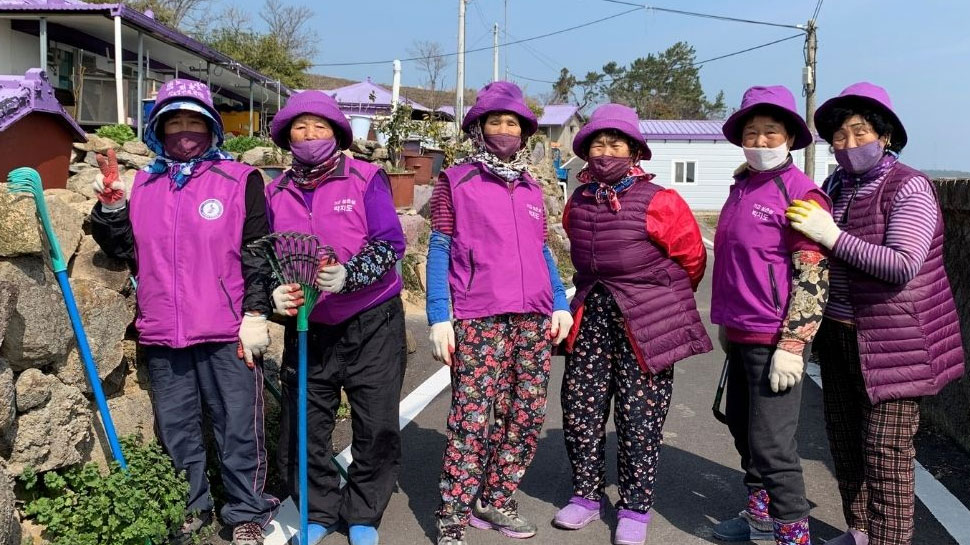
(798, 242)
(671, 225)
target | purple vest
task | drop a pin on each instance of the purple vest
(652, 291)
(497, 265)
(909, 335)
(187, 245)
(752, 261)
(338, 218)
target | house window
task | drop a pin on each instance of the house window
(685, 172)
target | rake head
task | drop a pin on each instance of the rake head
(26, 181)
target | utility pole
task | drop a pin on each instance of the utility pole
(460, 80)
(495, 52)
(808, 82)
(506, 40)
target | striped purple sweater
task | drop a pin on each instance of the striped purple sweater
(912, 219)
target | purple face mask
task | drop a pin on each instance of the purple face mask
(313, 152)
(861, 159)
(608, 169)
(503, 146)
(187, 145)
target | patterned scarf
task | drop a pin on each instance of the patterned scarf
(509, 171)
(606, 193)
(181, 172)
(308, 177)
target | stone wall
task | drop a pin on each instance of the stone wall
(950, 410)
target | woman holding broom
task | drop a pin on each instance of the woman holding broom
(356, 332)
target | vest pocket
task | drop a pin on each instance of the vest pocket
(774, 289)
(471, 269)
(228, 299)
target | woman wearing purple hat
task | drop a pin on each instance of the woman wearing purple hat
(639, 256)
(356, 337)
(202, 300)
(488, 256)
(770, 286)
(891, 333)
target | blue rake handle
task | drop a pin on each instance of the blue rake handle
(301, 402)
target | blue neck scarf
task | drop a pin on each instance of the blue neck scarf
(181, 172)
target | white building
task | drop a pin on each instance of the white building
(696, 159)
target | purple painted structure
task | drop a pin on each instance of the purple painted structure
(356, 99)
(557, 115)
(32, 93)
(681, 129)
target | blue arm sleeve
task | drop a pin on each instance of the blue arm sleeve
(439, 262)
(559, 301)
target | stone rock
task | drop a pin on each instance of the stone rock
(412, 343)
(136, 147)
(554, 204)
(81, 182)
(54, 436)
(422, 199)
(421, 272)
(133, 161)
(65, 195)
(90, 263)
(380, 154)
(8, 397)
(9, 520)
(132, 413)
(258, 156)
(77, 155)
(8, 299)
(39, 333)
(91, 159)
(25, 270)
(97, 144)
(416, 230)
(105, 314)
(85, 208)
(33, 389)
(19, 229)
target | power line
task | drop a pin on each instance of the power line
(818, 8)
(703, 15)
(530, 39)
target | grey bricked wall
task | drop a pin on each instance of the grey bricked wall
(950, 410)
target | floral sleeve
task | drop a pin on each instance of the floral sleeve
(369, 265)
(810, 292)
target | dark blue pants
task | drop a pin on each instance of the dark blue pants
(182, 379)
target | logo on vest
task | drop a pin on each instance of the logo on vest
(344, 205)
(762, 212)
(535, 211)
(211, 209)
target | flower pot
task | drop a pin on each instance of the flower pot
(421, 165)
(402, 188)
(411, 146)
(359, 125)
(437, 161)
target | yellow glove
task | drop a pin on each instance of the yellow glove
(810, 219)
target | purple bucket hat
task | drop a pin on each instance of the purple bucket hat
(315, 103)
(501, 96)
(182, 94)
(611, 116)
(779, 100)
(866, 93)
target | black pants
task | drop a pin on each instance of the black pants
(763, 424)
(182, 379)
(366, 356)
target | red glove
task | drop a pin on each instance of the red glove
(110, 194)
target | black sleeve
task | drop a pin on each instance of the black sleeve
(255, 269)
(112, 231)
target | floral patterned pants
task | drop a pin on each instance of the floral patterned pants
(603, 366)
(500, 368)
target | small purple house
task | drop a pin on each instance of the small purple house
(35, 131)
(369, 99)
(560, 123)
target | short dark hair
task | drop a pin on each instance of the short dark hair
(881, 123)
(772, 112)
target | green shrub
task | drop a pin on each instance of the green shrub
(242, 144)
(118, 133)
(83, 506)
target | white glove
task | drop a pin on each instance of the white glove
(109, 204)
(722, 337)
(786, 370)
(442, 339)
(810, 219)
(253, 338)
(561, 324)
(287, 299)
(332, 278)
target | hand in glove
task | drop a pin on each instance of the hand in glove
(107, 184)
(561, 325)
(442, 341)
(253, 338)
(287, 299)
(810, 219)
(331, 278)
(786, 370)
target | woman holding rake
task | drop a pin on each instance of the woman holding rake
(356, 331)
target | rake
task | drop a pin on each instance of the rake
(295, 258)
(27, 181)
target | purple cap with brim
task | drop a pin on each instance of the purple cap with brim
(868, 94)
(502, 96)
(615, 117)
(315, 103)
(182, 90)
(774, 100)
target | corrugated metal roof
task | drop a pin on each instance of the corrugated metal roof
(32, 93)
(557, 114)
(682, 129)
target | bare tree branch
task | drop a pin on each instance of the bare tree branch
(432, 62)
(288, 24)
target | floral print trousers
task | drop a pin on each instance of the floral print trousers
(500, 370)
(603, 367)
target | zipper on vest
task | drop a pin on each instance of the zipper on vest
(228, 298)
(774, 289)
(845, 215)
(175, 266)
(518, 245)
(471, 275)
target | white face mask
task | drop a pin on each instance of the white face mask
(766, 158)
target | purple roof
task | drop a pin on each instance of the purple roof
(557, 114)
(681, 129)
(357, 96)
(30, 93)
(450, 110)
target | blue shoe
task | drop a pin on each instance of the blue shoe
(362, 535)
(315, 534)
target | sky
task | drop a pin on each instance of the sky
(918, 51)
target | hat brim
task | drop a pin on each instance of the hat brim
(280, 128)
(478, 111)
(172, 105)
(733, 127)
(825, 131)
(581, 141)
